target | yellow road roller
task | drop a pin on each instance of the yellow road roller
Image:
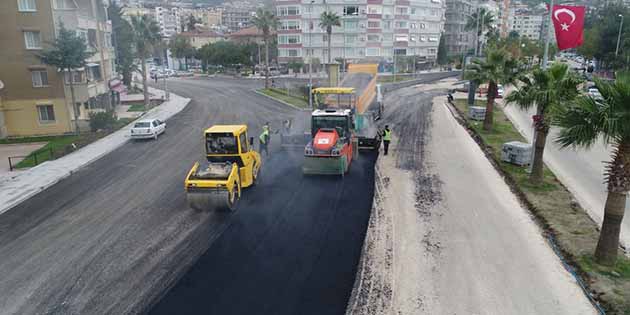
(232, 164)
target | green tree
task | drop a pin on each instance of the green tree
(328, 20)
(123, 42)
(191, 23)
(296, 66)
(266, 21)
(225, 53)
(146, 35)
(497, 68)
(68, 53)
(546, 90)
(582, 124)
(601, 29)
(442, 57)
(181, 48)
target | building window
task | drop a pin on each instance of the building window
(64, 4)
(387, 25)
(402, 37)
(374, 24)
(46, 114)
(372, 51)
(94, 72)
(351, 39)
(350, 25)
(351, 10)
(400, 24)
(290, 25)
(77, 77)
(32, 40)
(289, 39)
(39, 78)
(374, 9)
(373, 38)
(27, 6)
(433, 38)
(402, 10)
(286, 11)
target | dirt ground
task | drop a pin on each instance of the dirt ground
(446, 235)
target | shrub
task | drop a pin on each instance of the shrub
(102, 120)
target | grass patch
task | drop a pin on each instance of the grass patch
(48, 151)
(556, 210)
(135, 107)
(58, 146)
(282, 95)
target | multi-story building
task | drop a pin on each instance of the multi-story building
(527, 22)
(35, 98)
(169, 20)
(458, 39)
(236, 18)
(213, 17)
(370, 29)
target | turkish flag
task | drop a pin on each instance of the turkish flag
(568, 22)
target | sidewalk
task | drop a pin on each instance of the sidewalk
(23, 185)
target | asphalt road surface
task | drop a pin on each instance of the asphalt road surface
(116, 236)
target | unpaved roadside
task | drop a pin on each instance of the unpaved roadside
(446, 235)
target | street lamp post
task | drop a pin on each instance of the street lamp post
(619, 36)
(310, 55)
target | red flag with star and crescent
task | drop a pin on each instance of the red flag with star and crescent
(568, 22)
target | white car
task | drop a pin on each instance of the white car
(148, 128)
(594, 93)
(500, 91)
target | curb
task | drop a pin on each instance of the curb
(281, 101)
(28, 193)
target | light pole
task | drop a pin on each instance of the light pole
(310, 55)
(619, 36)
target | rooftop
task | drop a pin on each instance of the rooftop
(233, 129)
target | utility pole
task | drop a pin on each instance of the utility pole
(619, 36)
(310, 55)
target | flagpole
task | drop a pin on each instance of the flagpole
(548, 36)
(544, 65)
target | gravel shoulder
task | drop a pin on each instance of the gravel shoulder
(446, 235)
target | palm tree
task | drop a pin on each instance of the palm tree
(545, 89)
(585, 121)
(266, 21)
(146, 34)
(497, 68)
(480, 21)
(328, 19)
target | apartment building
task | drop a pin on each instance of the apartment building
(526, 21)
(370, 29)
(35, 100)
(170, 21)
(237, 17)
(458, 39)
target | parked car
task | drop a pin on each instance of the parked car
(500, 91)
(148, 128)
(594, 93)
(183, 74)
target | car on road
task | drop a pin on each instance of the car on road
(147, 129)
(180, 74)
(594, 93)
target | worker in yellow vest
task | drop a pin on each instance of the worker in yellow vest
(264, 139)
(387, 137)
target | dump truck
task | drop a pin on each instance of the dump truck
(365, 100)
(231, 165)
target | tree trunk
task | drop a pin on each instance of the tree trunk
(536, 177)
(329, 46)
(489, 119)
(266, 63)
(145, 85)
(75, 110)
(618, 178)
(608, 244)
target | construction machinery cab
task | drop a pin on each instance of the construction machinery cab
(232, 164)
